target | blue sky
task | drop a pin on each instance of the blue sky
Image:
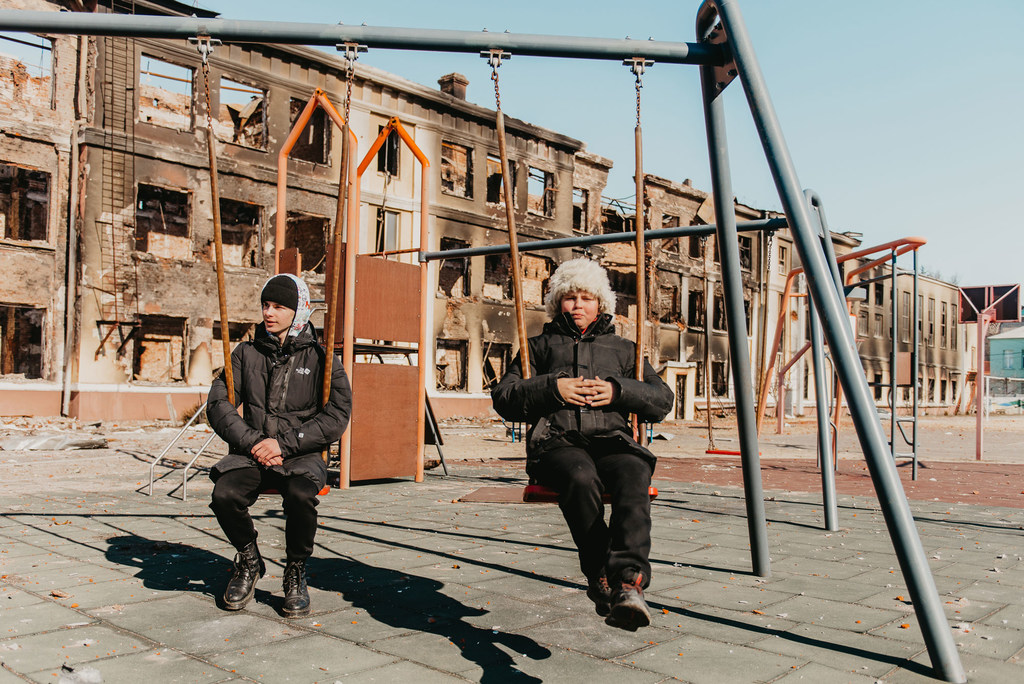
(904, 116)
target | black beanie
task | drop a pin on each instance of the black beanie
(281, 290)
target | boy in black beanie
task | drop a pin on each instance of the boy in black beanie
(277, 441)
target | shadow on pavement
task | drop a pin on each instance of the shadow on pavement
(415, 603)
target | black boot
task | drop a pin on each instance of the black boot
(600, 592)
(629, 610)
(249, 568)
(296, 596)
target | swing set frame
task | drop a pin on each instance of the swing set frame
(724, 52)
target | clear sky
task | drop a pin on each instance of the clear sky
(904, 116)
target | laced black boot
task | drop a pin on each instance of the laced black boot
(296, 596)
(629, 610)
(249, 567)
(600, 592)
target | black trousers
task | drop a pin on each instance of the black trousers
(236, 490)
(622, 546)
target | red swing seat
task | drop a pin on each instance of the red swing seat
(535, 493)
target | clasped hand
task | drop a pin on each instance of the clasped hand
(268, 452)
(581, 392)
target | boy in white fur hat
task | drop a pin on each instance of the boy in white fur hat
(577, 401)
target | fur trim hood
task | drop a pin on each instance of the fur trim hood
(579, 275)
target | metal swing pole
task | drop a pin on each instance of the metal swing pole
(895, 508)
(494, 58)
(732, 289)
(637, 66)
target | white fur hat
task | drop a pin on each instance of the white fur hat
(579, 275)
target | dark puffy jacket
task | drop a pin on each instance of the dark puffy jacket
(561, 351)
(280, 390)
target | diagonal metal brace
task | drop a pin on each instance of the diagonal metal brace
(727, 72)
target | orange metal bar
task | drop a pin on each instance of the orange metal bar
(394, 124)
(900, 246)
(317, 99)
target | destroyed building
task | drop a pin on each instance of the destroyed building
(109, 304)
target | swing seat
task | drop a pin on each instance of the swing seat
(535, 493)
(726, 452)
(271, 490)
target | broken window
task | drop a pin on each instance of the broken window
(453, 276)
(497, 277)
(862, 323)
(162, 222)
(451, 364)
(386, 239)
(696, 311)
(24, 203)
(719, 379)
(388, 155)
(943, 322)
(159, 349)
(746, 316)
(456, 169)
(670, 244)
(879, 326)
(718, 321)
(931, 322)
(242, 118)
(536, 273)
(165, 94)
(26, 60)
(879, 294)
(540, 192)
(21, 341)
(877, 385)
(783, 265)
(697, 244)
(615, 222)
(580, 209)
(904, 317)
(240, 224)
(314, 144)
(496, 359)
(746, 252)
(668, 303)
(308, 233)
(701, 383)
(953, 332)
(495, 194)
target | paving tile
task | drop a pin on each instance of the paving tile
(1011, 617)
(866, 654)
(836, 614)
(402, 672)
(736, 595)
(12, 597)
(161, 665)
(698, 660)
(309, 658)
(977, 669)
(720, 624)
(88, 643)
(585, 632)
(815, 673)
(38, 617)
(466, 650)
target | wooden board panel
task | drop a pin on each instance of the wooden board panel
(383, 421)
(387, 300)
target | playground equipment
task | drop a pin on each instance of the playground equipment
(724, 53)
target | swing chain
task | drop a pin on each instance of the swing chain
(637, 65)
(768, 259)
(494, 57)
(204, 45)
(352, 51)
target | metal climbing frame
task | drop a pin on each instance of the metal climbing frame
(724, 53)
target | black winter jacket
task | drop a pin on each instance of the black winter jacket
(280, 389)
(561, 351)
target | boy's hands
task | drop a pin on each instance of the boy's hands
(581, 392)
(268, 452)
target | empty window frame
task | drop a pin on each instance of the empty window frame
(160, 349)
(670, 244)
(879, 325)
(746, 252)
(242, 116)
(451, 365)
(931, 322)
(21, 341)
(667, 304)
(581, 210)
(905, 317)
(536, 273)
(308, 233)
(880, 293)
(495, 194)
(877, 386)
(719, 379)
(24, 203)
(783, 262)
(388, 156)
(954, 331)
(497, 277)
(241, 228)
(697, 245)
(453, 274)
(26, 60)
(386, 231)
(718, 320)
(862, 323)
(456, 169)
(314, 144)
(496, 359)
(696, 311)
(943, 323)
(165, 94)
(540, 192)
(162, 222)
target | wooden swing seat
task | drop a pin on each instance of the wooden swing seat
(535, 493)
(322, 492)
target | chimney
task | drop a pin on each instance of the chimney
(454, 84)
